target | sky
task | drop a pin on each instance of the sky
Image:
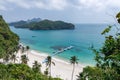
(74, 11)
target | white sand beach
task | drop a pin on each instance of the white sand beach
(61, 69)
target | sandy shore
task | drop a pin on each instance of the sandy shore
(61, 69)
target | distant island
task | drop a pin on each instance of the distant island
(38, 24)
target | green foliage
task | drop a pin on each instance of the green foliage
(8, 40)
(27, 47)
(106, 30)
(8, 45)
(24, 59)
(96, 73)
(49, 62)
(118, 17)
(45, 25)
(73, 61)
(46, 72)
(107, 60)
(20, 72)
(13, 57)
(36, 67)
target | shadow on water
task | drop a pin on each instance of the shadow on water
(59, 47)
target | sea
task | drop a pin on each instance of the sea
(81, 38)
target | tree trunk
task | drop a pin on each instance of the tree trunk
(50, 72)
(27, 53)
(14, 60)
(73, 71)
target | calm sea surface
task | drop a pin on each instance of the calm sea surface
(50, 41)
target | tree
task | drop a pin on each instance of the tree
(46, 72)
(13, 58)
(20, 72)
(6, 58)
(22, 49)
(107, 58)
(36, 67)
(24, 59)
(73, 61)
(8, 40)
(8, 45)
(27, 49)
(118, 17)
(48, 63)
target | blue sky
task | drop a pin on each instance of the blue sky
(75, 11)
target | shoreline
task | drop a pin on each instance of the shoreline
(62, 68)
(55, 57)
(43, 54)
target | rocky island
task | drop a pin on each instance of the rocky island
(43, 25)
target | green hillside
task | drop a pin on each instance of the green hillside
(8, 45)
(8, 39)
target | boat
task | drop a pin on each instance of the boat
(33, 36)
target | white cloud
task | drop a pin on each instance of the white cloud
(97, 5)
(38, 4)
(42, 4)
(90, 4)
(20, 3)
(51, 4)
(58, 4)
(2, 3)
(2, 8)
(113, 3)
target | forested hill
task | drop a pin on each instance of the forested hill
(44, 25)
(14, 71)
(8, 40)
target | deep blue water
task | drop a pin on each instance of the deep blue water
(81, 38)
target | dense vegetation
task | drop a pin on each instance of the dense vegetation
(9, 70)
(43, 25)
(21, 72)
(8, 40)
(107, 58)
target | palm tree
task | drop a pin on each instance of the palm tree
(22, 49)
(48, 63)
(16, 49)
(73, 61)
(6, 58)
(13, 58)
(24, 59)
(36, 66)
(27, 49)
(46, 72)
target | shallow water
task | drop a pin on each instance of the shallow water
(50, 41)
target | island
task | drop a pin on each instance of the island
(43, 25)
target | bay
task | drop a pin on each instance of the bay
(49, 41)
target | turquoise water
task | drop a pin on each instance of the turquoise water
(81, 38)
